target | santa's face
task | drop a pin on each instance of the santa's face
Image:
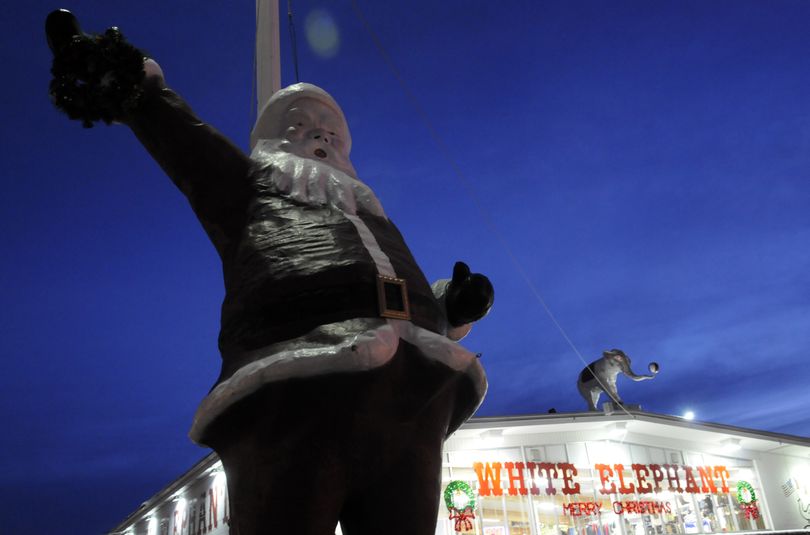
(313, 130)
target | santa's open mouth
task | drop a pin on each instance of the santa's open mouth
(320, 153)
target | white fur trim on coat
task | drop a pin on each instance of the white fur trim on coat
(317, 354)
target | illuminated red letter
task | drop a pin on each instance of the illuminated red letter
(605, 471)
(212, 509)
(484, 478)
(512, 478)
(568, 471)
(535, 490)
(722, 473)
(622, 488)
(226, 516)
(691, 484)
(658, 476)
(671, 471)
(549, 468)
(643, 486)
(706, 479)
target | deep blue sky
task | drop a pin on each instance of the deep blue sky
(646, 163)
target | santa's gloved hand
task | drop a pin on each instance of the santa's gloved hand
(469, 296)
(60, 27)
(95, 77)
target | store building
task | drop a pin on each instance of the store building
(596, 473)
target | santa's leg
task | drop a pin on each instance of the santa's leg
(412, 402)
(404, 500)
(285, 472)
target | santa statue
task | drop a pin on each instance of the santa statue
(341, 375)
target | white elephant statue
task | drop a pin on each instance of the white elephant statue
(600, 376)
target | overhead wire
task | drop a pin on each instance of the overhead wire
(254, 75)
(467, 185)
(293, 41)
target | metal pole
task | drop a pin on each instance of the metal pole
(268, 61)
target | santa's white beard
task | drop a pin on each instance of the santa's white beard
(313, 182)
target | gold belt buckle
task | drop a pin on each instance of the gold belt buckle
(392, 296)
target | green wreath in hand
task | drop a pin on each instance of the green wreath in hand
(97, 77)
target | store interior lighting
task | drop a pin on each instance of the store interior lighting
(731, 444)
(618, 430)
(492, 438)
(745, 474)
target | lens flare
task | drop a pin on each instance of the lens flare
(322, 33)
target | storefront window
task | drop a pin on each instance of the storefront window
(747, 518)
(517, 511)
(492, 516)
(496, 513)
(611, 490)
(549, 509)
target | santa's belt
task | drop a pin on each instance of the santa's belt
(392, 298)
(307, 307)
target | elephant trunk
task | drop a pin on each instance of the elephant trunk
(632, 375)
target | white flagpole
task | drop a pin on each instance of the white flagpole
(268, 62)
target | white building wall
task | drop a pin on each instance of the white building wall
(786, 481)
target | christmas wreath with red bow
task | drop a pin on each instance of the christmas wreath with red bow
(461, 512)
(747, 499)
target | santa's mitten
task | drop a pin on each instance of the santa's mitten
(469, 296)
(95, 77)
